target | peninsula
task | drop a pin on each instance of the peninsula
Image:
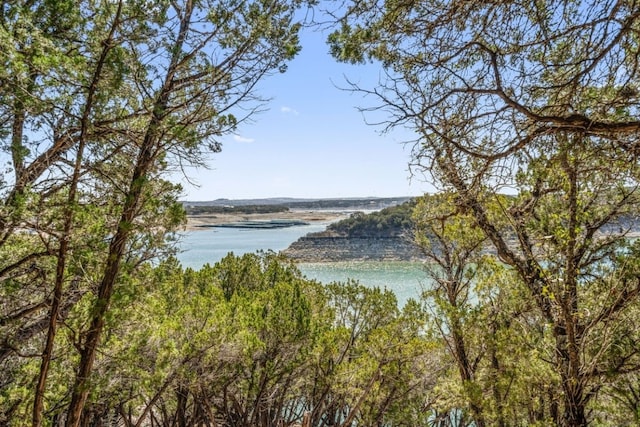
(279, 212)
(383, 235)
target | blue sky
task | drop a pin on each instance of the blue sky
(313, 142)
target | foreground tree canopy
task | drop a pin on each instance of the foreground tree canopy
(99, 100)
(247, 342)
(540, 100)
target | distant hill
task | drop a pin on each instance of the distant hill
(233, 209)
(355, 203)
(244, 202)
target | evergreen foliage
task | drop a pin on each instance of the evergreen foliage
(248, 341)
(538, 99)
(100, 101)
(388, 222)
(530, 313)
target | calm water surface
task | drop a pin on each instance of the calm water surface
(405, 279)
(212, 244)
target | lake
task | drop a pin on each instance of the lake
(405, 279)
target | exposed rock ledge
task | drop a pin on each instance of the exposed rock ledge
(326, 248)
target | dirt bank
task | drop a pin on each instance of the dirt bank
(194, 221)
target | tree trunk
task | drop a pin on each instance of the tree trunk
(38, 405)
(572, 387)
(574, 413)
(146, 157)
(182, 394)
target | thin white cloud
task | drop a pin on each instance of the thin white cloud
(239, 138)
(289, 110)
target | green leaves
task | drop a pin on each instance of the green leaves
(102, 99)
(536, 100)
(250, 338)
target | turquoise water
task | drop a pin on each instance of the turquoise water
(405, 279)
(212, 244)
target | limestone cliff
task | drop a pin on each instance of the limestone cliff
(319, 247)
(379, 236)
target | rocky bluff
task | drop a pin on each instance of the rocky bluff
(319, 247)
(379, 236)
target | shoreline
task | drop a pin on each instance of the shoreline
(204, 222)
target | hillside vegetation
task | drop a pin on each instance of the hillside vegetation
(393, 221)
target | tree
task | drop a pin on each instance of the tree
(539, 99)
(510, 72)
(279, 316)
(566, 240)
(87, 89)
(201, 354)
(374, 365)
(453, 245)
(249, 341)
